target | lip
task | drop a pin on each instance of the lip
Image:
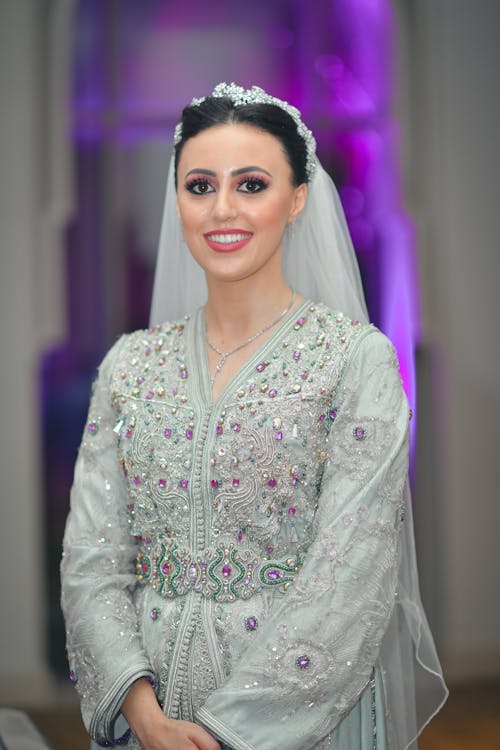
(215, 242)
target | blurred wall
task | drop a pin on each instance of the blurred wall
(21, 584)
(450, 52)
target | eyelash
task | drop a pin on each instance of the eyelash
(198, 181)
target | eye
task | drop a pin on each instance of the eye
(199, 186)
(252, 185)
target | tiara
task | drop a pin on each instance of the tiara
(240, 96)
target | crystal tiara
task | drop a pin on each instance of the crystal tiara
(240, 96)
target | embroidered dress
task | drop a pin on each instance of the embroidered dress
(242, 553)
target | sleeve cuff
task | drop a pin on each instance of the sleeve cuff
(101, 727)
(221, 731)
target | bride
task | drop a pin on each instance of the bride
(238, 562)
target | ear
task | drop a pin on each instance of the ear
(298, 202)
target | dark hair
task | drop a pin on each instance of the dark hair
(267, 117)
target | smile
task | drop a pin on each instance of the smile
(227, 241)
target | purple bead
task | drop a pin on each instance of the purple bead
(93, 427)
(226, 571)
(167, 432)
(272, 483)
(184, 484)
(148, 350)
(359, 433)
(301, 321)
(140, 379)
(296, 355)
(128, 433)
(72, 676)
(247, 581)
(162, 483)
(292, 511)
(137, 480)
(236, 426)
(261, 367)
(184, 374)
(304, 374)
(154, 614)
(189, 434)
(240, 536)
(279, 435)
(269, 550)
(251, 623)
(149, 394)
(218, 429)
(273, 575)
(214, 483)
(322, 417)
(165, 569)
(272, 393)
(236, 482)
(303, 661)
(333, 415)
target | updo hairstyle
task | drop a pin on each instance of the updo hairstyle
(270, 118)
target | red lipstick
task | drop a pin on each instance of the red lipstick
(227, 240)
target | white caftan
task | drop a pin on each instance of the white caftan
(243, 554)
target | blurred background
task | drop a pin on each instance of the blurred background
(402, 96)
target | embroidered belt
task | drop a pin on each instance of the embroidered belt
(222, 573)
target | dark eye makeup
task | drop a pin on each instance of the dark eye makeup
(248, 184)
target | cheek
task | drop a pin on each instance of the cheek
(273, 215)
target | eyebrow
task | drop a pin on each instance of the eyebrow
(234, 172)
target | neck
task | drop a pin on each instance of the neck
(236, 310)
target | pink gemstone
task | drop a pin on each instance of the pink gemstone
(261, 367)
(269, 550)
(214, 483)
(295, 480)
(272, 393)
(72, 676)
(303, 662)
(165, 569)
(189, 434)
(92, 428)
(184, 374)
(154, 613)
(236, 482)
(137, 480)
(251, 623)
(304, 374)
(128, 433)
(301, 321)
(218, 429)
(144, 567)
(149, 394)
(272, 483)
(333, 415)
(184, 484)
(240, 536)
(167, 432)
(273, 575)
(247, 581)
(279, 436)
(236, 426)
(148, 350)
(226, 571)
(291, 511)
(140, 379)
(130, 506)
(359, 433)
(162, 483)
(322, 417)
(296, 355)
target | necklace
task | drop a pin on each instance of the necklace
(224, 355)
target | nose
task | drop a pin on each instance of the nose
(225, 204)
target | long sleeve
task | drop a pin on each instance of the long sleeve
(104, 646)
(313, 657)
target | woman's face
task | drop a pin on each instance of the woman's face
(235, 197)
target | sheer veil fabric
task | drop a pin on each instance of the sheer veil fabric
(320, 263)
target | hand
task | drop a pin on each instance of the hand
(154, 730)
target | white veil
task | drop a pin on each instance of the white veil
(319, 262)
